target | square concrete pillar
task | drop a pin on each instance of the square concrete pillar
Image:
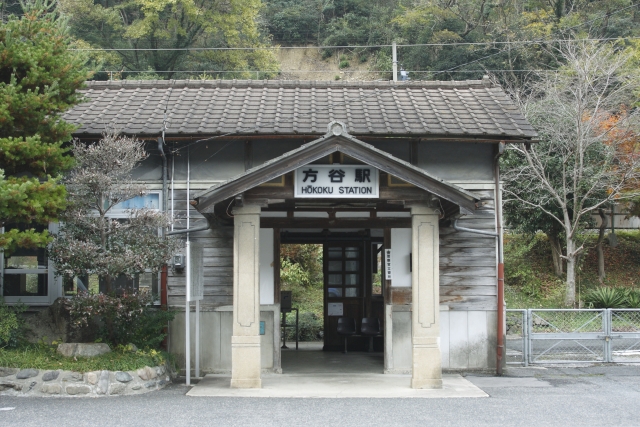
(425, 285)
(245, 341)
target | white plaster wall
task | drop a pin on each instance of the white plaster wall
(266, 266)
(400, 259)
(467, 339)
(215, 339)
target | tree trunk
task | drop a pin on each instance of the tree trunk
(603, 227)
(570, 296)
(556, 254)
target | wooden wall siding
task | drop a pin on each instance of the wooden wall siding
(180, 210)
(217, 262)
(468, 279)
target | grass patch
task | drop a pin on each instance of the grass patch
(45, 357)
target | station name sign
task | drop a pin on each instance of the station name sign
(336, 181)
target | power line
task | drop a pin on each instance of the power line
(325, 71)
(199, 49)
(374, 93)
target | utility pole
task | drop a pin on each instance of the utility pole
(394, 57)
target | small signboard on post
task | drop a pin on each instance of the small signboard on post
(387, 264)
(195, 284)
(337, 182)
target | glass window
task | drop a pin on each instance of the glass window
(351, 279)
(335, 252)
(351, 252)
(335, 265)
(149, 201)
(335, 292)
(351, 266)
(351, 292)
(89, 284)
(335, 279)
(25, 270)
(25, 285)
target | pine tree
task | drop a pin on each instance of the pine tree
(39, 78)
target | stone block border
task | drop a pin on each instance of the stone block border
(46, 383)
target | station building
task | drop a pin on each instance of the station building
(396, 179)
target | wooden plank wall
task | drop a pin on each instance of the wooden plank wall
(468, 276)
(217, 262)
(468, 279)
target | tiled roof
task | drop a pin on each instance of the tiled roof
(212, 107)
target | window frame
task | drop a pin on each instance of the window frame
(55, 285)
(52, 287)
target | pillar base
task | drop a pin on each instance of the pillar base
(426, 383)
(427, 363)
(245, 357)
(248, 383)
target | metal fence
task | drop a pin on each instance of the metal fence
(573, 336)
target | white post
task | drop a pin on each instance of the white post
(197, 338)
(187, 327)
(425, 289)
(394, 58)
(245, 341)
(187, 311)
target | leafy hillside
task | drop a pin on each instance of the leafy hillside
(439, 39)
(531, 283)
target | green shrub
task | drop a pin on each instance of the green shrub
(130, 318)
(310, 327)
(11, 325)
(45, 357)
(632, 298)
(344, 64)
(606, 298)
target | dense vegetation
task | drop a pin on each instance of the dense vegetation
(530, 281)
(450, 39)
(301, 273)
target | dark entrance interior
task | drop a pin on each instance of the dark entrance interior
(352, 285)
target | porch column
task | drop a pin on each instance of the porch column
(425, 284)
(245, 341)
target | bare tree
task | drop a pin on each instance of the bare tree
(583, 160)
(90, 240)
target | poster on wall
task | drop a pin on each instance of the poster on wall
(336, 182)
(335, 309)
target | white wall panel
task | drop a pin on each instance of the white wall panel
(400, 257)
(266, 266)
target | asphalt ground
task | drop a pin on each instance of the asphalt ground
(600, 395)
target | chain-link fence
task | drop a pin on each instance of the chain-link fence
(573, 336)
(558, 336)
(625, 335)
(516, 337)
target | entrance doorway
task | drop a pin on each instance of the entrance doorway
(350, 287)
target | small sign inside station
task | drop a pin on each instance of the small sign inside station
(335, 309)
(337, 182)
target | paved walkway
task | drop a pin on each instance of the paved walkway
(598, 396)
(312, 373)
(336, 386)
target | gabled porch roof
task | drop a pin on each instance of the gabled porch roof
(337, 139)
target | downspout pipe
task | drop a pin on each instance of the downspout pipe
(163, 275)
(501, 305)
(498, 235)
(188, 230)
